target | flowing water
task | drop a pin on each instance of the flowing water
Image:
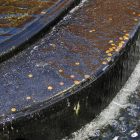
(107, 114)
(15, 15)
(121, 119)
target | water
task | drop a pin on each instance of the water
(16, 15)
(74, 117)
(79, 117)
(121, 118)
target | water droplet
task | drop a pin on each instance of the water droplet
(134, 135)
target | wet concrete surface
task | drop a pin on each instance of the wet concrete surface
(79, 46)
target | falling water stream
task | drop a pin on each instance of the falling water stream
(121, 119)
(111, 113)
(115, 116)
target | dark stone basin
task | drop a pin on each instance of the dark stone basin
(79, 52)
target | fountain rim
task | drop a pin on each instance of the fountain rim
(18, 41)
(37, 107)
(73, 89)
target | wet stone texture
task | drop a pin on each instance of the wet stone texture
(75, 50)
(15, 15)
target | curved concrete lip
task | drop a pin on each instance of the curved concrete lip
(47, 18)
(61, 66)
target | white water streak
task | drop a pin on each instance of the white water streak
(77, 7)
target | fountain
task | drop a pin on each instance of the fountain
(52, 86)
